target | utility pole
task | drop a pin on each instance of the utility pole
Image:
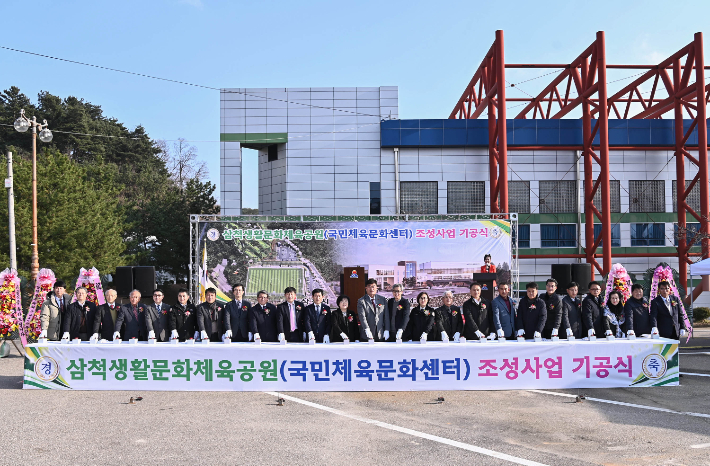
(11, 212)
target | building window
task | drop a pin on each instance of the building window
(693, 198)
(466, 197)
(519, 197)
(690, 230)
(558, 235)
(558, 197)
(648, 234)
(419, 197)
(523, 236)
(273, 153)
(647, 196)
(375, 198)
(615, 235)
(614, 198)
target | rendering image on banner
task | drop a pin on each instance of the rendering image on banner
(435, 256)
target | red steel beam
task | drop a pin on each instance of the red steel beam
(559, 65)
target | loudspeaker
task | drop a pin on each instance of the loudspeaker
(563, 274)
(144, 280)
(582, 274)
(123, 280)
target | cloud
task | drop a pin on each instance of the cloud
(195, 3)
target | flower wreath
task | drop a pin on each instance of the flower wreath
(45, 283)
(90, 280)
(10, 305)
(619, 280)
(665, 274)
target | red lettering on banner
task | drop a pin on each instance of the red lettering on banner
(487, 364)
(582, 361)
(627, 367)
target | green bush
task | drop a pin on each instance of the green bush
(701, 313)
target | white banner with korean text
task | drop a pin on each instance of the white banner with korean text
(354, 367)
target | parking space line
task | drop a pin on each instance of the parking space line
(621, 403)
(702, 445)
(404, 430)
(695, 373)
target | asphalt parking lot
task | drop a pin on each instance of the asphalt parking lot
(639, 426)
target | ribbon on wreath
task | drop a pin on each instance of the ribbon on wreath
(665, 274)
(619, 280)
(11, 305)
(45, 283)
(90, 280)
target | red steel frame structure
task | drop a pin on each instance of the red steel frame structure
(486, 91)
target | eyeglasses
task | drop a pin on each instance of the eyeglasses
(157, 294)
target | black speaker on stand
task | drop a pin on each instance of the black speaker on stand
(144, 280)
(563, 274)
(582, 274)
(123, 281)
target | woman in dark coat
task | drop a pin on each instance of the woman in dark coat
(344, 322)
(612, 321)
(421, 321)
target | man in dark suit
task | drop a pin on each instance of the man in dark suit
(399, 309)
(291, 314)
(532, 314)
(666, 318)
(210, 317)
(157, 318)
(637, 313)
(183, 318)
(591, 309)
(317, 317)
(133, 317)
(504, 312)
(448, 319)
(572, 312)
(263, 319)
(478, 314)
(106, 315)
(553, 305)
(79, 318)
(236, 316)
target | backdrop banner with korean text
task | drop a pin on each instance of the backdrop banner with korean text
(352, 367)
(436, 254)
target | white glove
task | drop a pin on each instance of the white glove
(399, 334)
(521, 333)
(65, 336)
(444, 336)
(343, 336)
(423, 337)
(174, 335)
(368, 334)
(608, 333)
(457, 336)
(554, 332)
(630, 332)
(43, 334)
(386, 335)
(197, 335)
(501, 334)
(569, 332)
(228, 334)
(203, 335)
(480, 335)
(326, 339)
(116, 335)
(682, 332)
(492, 336)
(537, 335)
(654, 332)
(590, 333)
(251, 336)
(282, 337)
(151, 335)
(94, 337)
(257, 337)
(311, 336)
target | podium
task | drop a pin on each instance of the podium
(487, 281)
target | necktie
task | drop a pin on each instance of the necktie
(239, 304)
(293, 317)
(158, 308)
(135, 312)
(373, 303)
(111, 306)
(318, 310)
